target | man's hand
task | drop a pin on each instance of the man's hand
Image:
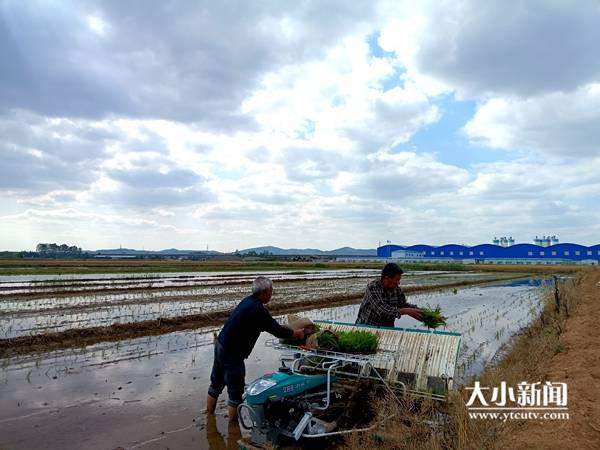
(415, 313)
(299, 334)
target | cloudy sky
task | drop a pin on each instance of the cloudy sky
(232, 124)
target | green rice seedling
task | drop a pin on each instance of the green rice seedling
(433, 318)
(357, 342)
(344, 341)
(328, 340)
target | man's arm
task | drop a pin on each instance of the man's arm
(408, 309)
(402, 301)
(273, 327)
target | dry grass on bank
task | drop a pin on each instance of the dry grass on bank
(428, 426)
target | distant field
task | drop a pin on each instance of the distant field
(78, 266)
(113, 306)
(90, 266)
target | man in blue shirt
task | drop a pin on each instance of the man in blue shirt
(236, 341)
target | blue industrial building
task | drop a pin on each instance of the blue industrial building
(494, 254)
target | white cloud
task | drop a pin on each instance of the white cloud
(560, 123)
(67, 217)
(403, 37)
(107, 58)
(503, 49)
(398, 178)
(339, 103)
(241, 125)
(97, 24)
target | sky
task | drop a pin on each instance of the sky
(234, 124)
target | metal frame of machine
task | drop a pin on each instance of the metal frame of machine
(423, 362)
(409, 362)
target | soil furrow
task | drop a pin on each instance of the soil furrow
(87, 336)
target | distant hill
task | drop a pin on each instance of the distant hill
(343, 251)
(172, 251)
(276, 251)
(117, 251)
(134, 252)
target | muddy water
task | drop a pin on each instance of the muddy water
(150, 392)
(33, 312)
(19, 283)
(487, 317)
(109, 396)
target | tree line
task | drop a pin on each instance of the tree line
(55, 248)
(44, 250)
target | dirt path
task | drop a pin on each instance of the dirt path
(578, 364)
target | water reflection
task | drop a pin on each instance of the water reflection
(222, 441)
(125, 394)
(27, 310)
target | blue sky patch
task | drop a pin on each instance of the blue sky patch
(375, 49)
(446, 139)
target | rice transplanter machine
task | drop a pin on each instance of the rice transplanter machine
(303, 398)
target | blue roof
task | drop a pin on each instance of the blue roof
(563, 251)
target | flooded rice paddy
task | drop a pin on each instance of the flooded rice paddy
(150, 392)
(32, 305)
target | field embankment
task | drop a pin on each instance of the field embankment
(94, 266)
(562, 345)
(99, 266)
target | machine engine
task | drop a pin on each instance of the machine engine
(284, 405)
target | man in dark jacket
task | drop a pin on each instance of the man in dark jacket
(236, 341)
(384, 300)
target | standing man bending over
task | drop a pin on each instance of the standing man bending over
(384, 300)
(235, 342)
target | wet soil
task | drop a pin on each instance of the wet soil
(26, 309)
(79, 337)
(149, 392)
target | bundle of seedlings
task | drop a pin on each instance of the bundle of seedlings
(357, 341)
(347, 341)
(324, 340)
(433, 318)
